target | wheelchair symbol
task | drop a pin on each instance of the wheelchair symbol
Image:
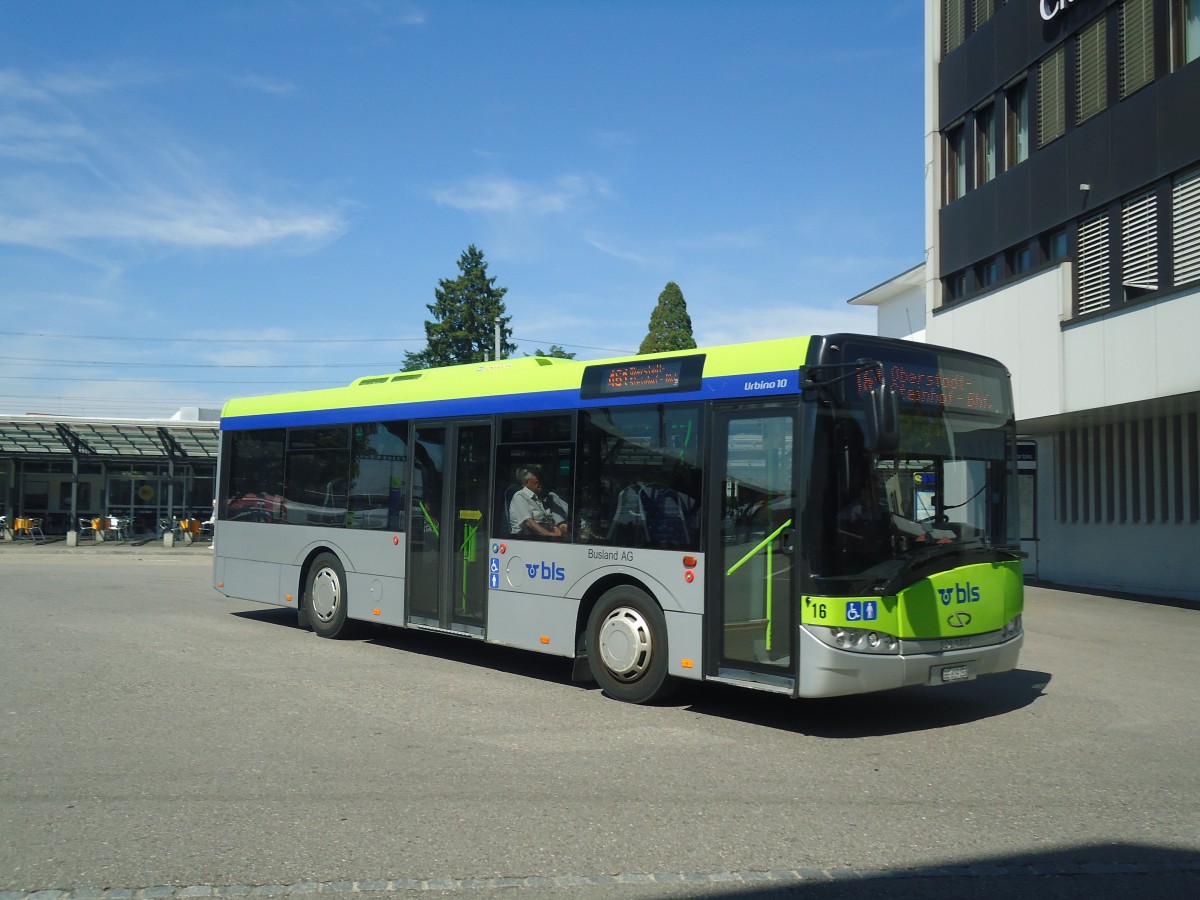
(495, 565)
(854, 610)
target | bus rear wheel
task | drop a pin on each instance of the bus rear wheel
(627, 646)
(325, 596)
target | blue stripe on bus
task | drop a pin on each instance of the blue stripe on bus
(716, 388)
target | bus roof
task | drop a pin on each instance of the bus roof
(527, 383)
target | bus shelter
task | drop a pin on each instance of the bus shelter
(133, 476)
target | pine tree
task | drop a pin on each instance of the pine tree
(464, 318)
(670, 324)
(555, 351)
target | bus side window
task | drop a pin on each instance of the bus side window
(377, 476)
(254, 475)
(639, 476)
(552, 465)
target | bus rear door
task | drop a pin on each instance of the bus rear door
(447, 543)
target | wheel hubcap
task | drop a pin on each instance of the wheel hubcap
(625, 644)
(326, 594)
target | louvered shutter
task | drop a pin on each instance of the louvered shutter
(1137, 45)
(1185, 225)
(1093, 264)
(1139, 244)
(1092, 94)
(1050, 113)
(983, 11)
(954, 24)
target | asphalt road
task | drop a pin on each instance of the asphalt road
(161, 742)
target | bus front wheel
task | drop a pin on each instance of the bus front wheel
(325, 596)
(627, 646)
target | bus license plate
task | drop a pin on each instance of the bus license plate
(951, 674)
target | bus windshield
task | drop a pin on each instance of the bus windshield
(940, 498)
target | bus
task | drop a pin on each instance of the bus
(813, 516)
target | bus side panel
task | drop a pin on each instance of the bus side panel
(249, 579)
(571, 570)
(685, 641)
(532, 622)
(375, 598)
(265, 563)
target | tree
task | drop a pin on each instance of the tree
(670, 324)
(555, 351)
(464, 318)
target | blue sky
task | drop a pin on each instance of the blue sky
(205, 200)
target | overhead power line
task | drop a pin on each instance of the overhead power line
(112, 380)
(319, 340)
(204, 340)
(91, 364)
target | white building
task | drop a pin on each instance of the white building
(1062, 145)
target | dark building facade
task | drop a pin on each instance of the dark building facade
(1070, 128)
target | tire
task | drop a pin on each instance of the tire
(627, 646)
(325, 597)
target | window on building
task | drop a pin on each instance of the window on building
(956, 162)
(1092, 274)
(1139, 245)
(1055, 245)
(1136, 45)
(987, 273)
(1185, 227)
(985, 144)
(954, 24)
(1185, 32)
(983, 10)
(1051, 110)
(1091, 94)
(1020, 259)
(1016, 127)
(955, 287)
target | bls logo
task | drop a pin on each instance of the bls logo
(546, 571)
(959, 594)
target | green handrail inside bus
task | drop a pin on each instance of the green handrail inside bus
(468, 555)
(766, 542)
(428, 518)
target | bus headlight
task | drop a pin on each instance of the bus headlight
(1011, 629)
(857, 640)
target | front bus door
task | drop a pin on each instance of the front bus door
(753, 582)
(449, 525)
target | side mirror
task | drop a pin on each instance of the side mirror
(883, 419)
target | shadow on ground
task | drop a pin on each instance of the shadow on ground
(868, 715)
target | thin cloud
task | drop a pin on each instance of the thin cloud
(83, 176)
(278, 87)
(510, 197)
(612, 248)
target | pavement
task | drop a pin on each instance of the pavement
(54, 545)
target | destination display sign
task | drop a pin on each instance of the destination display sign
(924, 381)
(658, 376)
(944, 387)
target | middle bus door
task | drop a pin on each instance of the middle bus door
(447, 541)
(752, 587)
